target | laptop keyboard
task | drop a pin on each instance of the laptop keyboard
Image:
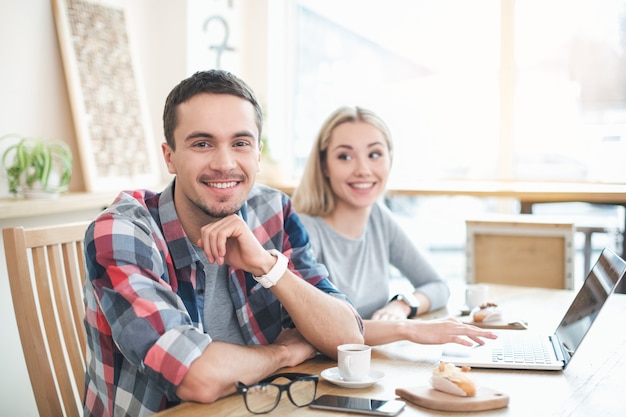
(522, 348)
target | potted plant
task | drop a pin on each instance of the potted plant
(36, 167)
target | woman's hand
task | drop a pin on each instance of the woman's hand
(449, 330)
(395, 310)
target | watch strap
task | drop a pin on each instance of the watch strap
(278, 270)
(409, 300)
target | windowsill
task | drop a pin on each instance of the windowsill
(11, 208)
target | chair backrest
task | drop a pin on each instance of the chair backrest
(46, 271)
(526, 250)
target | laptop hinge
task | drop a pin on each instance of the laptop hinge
(559, 350)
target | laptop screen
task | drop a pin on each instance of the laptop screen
(598, 285)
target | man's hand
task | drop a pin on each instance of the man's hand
(230, 241)
(299, 349)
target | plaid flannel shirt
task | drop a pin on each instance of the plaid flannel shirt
(143, 324)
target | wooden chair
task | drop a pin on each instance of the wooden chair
(526, 250)
(46, 272)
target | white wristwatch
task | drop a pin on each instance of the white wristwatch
(277, 271)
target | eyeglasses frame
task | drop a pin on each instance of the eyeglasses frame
(291, 376)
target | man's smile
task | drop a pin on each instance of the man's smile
(222, 185)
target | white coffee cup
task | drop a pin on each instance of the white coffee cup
(476, 295)
(354, 361)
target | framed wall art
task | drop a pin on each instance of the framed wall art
(117, 148)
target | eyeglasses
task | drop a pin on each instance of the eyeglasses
(264, 397)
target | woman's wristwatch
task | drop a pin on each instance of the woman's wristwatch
(411, 301)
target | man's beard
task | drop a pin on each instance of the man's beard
(220, 211)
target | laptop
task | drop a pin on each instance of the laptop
(547, 352)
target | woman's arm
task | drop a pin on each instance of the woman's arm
(430, 288)
(450, 330)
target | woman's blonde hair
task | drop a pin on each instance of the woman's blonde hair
(314, 195)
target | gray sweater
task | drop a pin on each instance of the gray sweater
(360, 268)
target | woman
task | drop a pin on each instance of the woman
(358, 239)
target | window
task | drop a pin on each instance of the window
(570, 91)
(471, 89)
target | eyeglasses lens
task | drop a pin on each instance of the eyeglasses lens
(262, 398)
(302, 392)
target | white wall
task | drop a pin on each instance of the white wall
(33, 98)
(34, 102)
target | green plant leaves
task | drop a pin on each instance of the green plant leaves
(31, 160)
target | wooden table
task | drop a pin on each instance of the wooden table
(592, 385)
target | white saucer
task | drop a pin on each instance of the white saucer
(332, 375)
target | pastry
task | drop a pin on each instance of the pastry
(488, 312)
(453, 380)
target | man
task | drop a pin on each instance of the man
(211, 281)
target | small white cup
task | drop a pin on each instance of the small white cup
(354, 361)
(476, 295)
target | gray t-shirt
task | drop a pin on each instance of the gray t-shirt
(360, 268)
(213, 296)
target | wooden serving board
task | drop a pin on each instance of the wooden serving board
(426, 396)
(500, 324)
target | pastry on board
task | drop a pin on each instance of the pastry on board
(488, 312)
(453, 380)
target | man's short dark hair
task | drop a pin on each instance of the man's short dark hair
(213, 82)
